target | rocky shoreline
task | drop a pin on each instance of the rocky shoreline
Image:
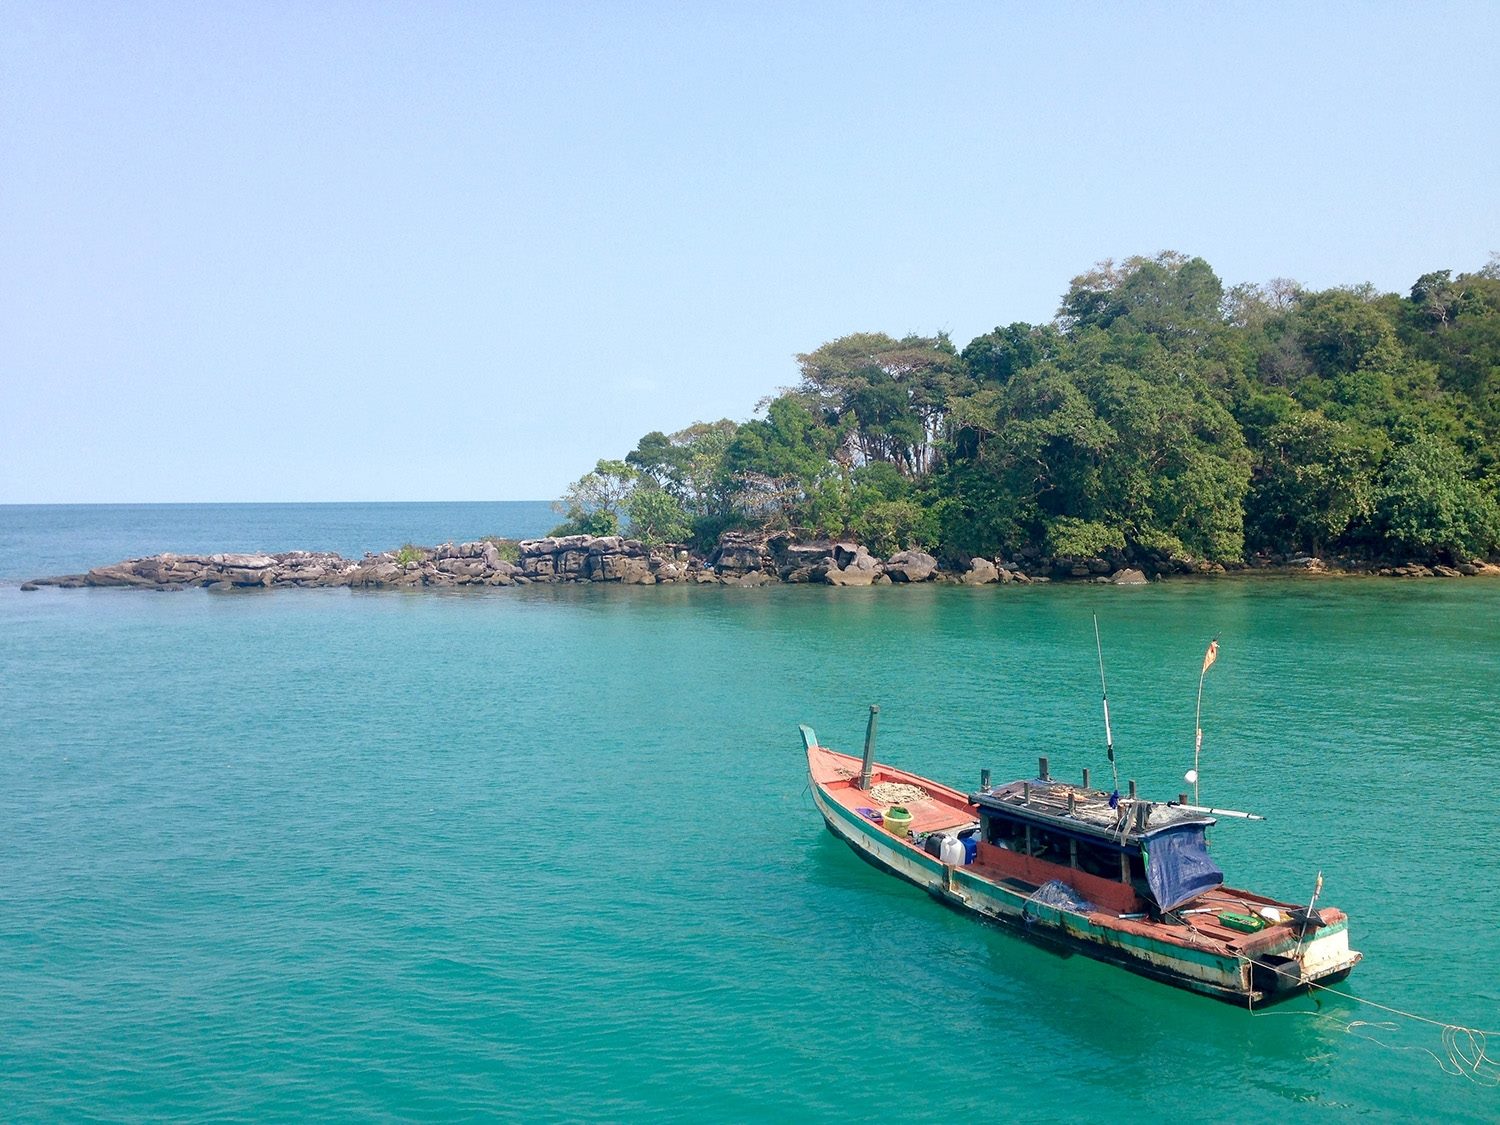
(739, 560)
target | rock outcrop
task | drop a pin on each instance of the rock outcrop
(911, 566)
(981, 572)
(740, 559)
(739, 555)
(852, 565)
(573, 558)
(227, 571)
(604, 558)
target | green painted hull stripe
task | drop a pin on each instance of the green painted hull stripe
(874, 832)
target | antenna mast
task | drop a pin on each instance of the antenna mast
(1208, 660)
(1109, 738)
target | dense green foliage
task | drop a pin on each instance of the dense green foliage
(1158, 417)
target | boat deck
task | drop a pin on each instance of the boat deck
(942, 809)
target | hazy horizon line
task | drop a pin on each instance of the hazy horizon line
(244, 503)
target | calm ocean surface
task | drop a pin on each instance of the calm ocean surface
(546, 853)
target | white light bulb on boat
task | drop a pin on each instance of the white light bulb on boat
(1191, 777)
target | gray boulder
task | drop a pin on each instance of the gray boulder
(911, 566)
(981, 572)
(243, 562)
(119, 574)
(635, 572)
(846, 553)
(538, 565)
(806, 554)
(668, 570)
(737, 559)
(616, 568)
(850, 576)
(1128, 577)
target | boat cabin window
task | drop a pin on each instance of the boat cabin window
(1005, 833)
(1096, 859)
(1058, 847)
(1051, 846)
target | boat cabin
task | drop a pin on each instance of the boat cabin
(1123, 855)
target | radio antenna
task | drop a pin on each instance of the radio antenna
(1109, 738)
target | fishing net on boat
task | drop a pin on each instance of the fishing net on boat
(897, 793)
(1062, 896)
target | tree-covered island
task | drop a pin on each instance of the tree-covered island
(1160, 420)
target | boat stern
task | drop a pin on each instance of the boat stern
(1320, 956)
(1329, 955)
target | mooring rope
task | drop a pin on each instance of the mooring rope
(1466, 1048)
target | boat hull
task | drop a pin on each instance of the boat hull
(1236, 978)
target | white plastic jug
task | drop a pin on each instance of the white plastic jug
(952, 851)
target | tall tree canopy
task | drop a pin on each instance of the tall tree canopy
(1159, 414)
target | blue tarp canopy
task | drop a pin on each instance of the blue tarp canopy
(1178, 866)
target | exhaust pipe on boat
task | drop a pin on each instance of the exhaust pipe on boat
(867, 771)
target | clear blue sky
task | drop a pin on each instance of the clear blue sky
(358, 251)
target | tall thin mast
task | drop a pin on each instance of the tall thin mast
(1109, 738)
(1208, 659)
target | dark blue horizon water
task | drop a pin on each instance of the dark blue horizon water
(43, 540)
(547, 853)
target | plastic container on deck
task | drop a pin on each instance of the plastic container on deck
(953, 851)
(971, 848)
(898, 821)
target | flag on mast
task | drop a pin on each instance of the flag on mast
(1210, 656)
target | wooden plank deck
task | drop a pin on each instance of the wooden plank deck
(941, 809)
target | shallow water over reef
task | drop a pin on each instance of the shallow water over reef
(547, 853)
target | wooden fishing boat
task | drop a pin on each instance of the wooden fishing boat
(1121, 879)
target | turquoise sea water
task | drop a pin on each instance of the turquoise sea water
(546, 853)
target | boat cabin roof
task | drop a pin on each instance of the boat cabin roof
(1049, 803)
